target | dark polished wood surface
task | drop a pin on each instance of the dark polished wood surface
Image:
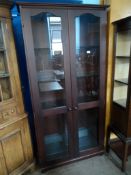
(63, 5)
(74, 116)
(120, 123)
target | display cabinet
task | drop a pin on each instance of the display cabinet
(14, 129)
(121, 93)
(65, 54)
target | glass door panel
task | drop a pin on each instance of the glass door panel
(56, 137)
(3, 65)
(87, 28)
(5, 86)
(1, 37)
(88, 128)
(122, 62)
(5, 89)
(48, 48)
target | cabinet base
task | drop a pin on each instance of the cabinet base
(99, 151)
(28, 169)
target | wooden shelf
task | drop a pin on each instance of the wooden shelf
(50, 86)
(121, 102)
(122, 80)
(118, 147)
(123, 57)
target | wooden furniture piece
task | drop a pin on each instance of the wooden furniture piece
(65, 53)
(15, 144)
(121, 95)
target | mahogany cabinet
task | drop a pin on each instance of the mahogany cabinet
(66, 60)
(15, 144)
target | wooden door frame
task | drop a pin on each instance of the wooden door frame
(100, 103)
(26, 9)
(30, 57)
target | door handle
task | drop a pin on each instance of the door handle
(69, 109)
(75, 108)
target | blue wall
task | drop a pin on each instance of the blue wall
(17, 29)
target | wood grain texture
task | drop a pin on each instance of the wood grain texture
(12, 145)
(72, 108)
(4, 12)
(16, 154)
(12, 108)
(109, 70)
(120, 9)
(15, 148)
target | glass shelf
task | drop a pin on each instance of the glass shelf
(87, 57)
(50, 86)
(56, 136)
(49, 59)
(5, 85)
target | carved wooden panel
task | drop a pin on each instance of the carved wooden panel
(9, 113)
(15, 148)
(3, 170)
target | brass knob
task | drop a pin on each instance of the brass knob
(69, 109)
(75, 108)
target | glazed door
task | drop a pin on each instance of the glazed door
(66, 67)
(46, 39)
(87, 40)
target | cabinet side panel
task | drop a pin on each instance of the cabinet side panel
(119, 118)
(13, 150)
(3, 169)
(27, 141)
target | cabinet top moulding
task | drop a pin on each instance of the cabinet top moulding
(4, 9)
(123, 24)
(63, 5)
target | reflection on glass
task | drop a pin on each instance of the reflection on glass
(122, 62)
(48, 49)
(1, 37)
(87, 57)
(56, 137)
(5, 89)
(87, 132)
(3, 66)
